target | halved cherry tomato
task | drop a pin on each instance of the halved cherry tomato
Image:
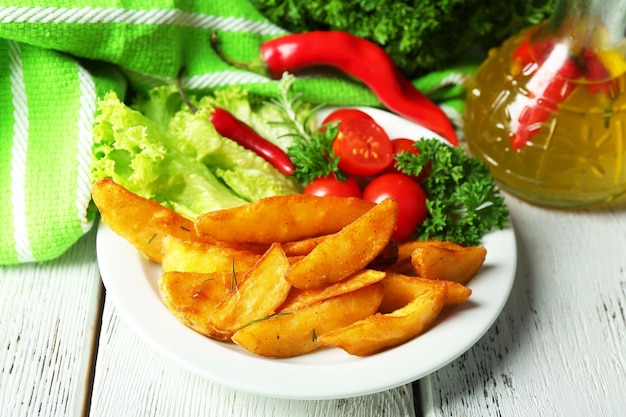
(330, 185)
(362, 146)
(347, 113)
(409, 195)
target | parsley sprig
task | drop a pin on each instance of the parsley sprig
(462, 199)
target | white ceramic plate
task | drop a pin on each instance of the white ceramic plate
(131, 284)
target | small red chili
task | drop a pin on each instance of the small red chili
(554, 74)
(361, 59)
(551, 70)
(227, 125)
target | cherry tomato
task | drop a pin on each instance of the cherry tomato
(362, 146)
(347, 113)
(330, 185)
(403, 145)
(409, 195)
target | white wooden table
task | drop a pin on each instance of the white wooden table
(558, 348)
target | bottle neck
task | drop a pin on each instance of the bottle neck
(603, 21)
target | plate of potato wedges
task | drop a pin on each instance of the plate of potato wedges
(298, 296)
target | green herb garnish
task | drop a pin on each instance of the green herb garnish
(233, 276)
(200, 287)
(250, 323)
(462, 199)
(312, 150)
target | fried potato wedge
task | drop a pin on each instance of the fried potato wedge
(291, 334)
(298, 298)
(379, 332)
(348, 250)
(140, 221)
(402, 265)
(448, 262)
(304, 246)
(263, 290)
(281, 218)
(406, 248)
(402, 289)
(191, 297)
(196, 256)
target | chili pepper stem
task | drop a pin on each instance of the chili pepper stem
(179, 86)
(257, 66)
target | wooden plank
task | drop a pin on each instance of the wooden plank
(559, 347)
(133, 379)
(49, 315)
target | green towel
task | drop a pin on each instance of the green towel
(58, 56)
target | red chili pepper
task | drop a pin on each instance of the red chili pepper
(359, 58)
(551, 73)
(363, 60)
(554, 75)
(227, 125)
(601, 81)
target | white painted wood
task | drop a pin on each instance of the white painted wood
(559, 347)
(48, 319)
(132, 379)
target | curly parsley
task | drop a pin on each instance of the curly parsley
(462, 200)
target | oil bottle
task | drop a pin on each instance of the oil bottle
(547, 109)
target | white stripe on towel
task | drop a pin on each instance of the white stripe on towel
(19, 151)
(93, 15)
(86, 115)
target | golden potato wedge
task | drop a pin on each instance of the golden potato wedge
(196, 256)
(383, 331)
(140, 221)
(300, 248)
(281, 218)
(191, 297)
(402, 289)
(298, 298)
(402, 265)
(295, 333)
(406, 248)
(304, 246)
(262, 291)
(347, 251)
(448, 262)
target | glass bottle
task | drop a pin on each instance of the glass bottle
(547, 109)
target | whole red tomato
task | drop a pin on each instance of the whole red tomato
(330, 185)
(405, 145)
(409, 195)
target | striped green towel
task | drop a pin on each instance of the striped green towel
(58, 56)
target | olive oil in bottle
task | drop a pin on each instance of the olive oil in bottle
(547, 109)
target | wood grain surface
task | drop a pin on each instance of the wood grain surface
(49, 316)
(559, 346)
